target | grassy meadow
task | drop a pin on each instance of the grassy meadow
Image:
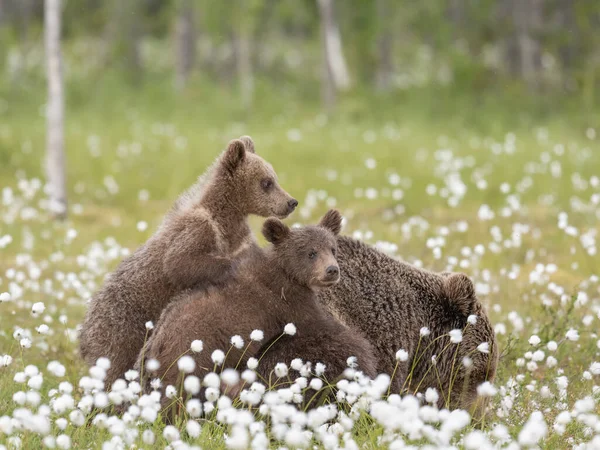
(503, 188)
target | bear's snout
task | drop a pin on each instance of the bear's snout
(292, 205)
(332, 274)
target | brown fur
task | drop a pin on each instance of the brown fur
(274, 287)
(389, 301)
(197, 245)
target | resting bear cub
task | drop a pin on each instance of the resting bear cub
(274, 287)
(197, 245)
(389, 301)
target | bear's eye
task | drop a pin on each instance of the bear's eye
(333, 251)
(312, 255)
(267, 184)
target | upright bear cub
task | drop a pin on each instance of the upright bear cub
(274, 287)
(390, 301)
(197, 245)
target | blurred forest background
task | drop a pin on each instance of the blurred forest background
(469, 46)
(199, 71)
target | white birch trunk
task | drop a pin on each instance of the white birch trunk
(55, 156)
(185, 37)
(333, 46)
(243, 54)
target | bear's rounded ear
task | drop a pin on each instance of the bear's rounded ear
(332, 220)
(248, 143)
(234, 155)
(274, 230)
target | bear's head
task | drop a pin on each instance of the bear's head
(254, 181)
(307, 254)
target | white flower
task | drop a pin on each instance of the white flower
(424, 332)
(218, 356)
(25, 343)
(431, 395)
(572, 335)
(316, 384)
(472, 319)
(149, 414)
(211, 379)
(455, 336)
(192, 384)
(290, 329)
(131, 375)
(152, 365)
(43, 329)
(551, 361)
(186, 364)
(237, 341)
(534, 340)
(484, 347)
(5, 360)
(230, 377)
(148, 437)
(38, 308)
(320, 369)
(281, 370)
(170, 433)
(534, 430)
(595, 368)
(257, 335)
(4, 297)
(193, 428)
(149, 325)
(486, 389)
(552, 346)
(194, 407)
(252, 363)
(467, 362)
(63, 441)
(142, 225)
(197, 346)
(402, 355)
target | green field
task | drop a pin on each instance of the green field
(503, 188)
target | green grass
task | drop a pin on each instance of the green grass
(149, 139)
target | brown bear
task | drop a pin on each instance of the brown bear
(197, 245)
(390, 301)
(274, 287)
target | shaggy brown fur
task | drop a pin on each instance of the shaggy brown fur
(274, 287)
(197, 245)
(389, 301)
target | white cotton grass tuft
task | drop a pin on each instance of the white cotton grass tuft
(402, 355)
(257, 335)
(186, 364)
(290, 329)
(455, 336)
(197, 346)
(237, 341)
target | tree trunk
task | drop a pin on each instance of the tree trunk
(55, 162)
(328, 94)
(185, 37)
(243, 55)
(523, 48)
(385, 69)
(332, 44)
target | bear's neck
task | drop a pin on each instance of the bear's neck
(293, 294)
(222, 202)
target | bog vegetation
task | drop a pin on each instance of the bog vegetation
(473, 160)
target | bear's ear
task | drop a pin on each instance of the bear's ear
(248, 143)
(275, 231)
(332, 220)
(234, 155)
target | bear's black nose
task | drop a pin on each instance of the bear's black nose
(292, 204)
(332, 271)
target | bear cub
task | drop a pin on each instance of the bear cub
(197, 245)
(275, 287)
